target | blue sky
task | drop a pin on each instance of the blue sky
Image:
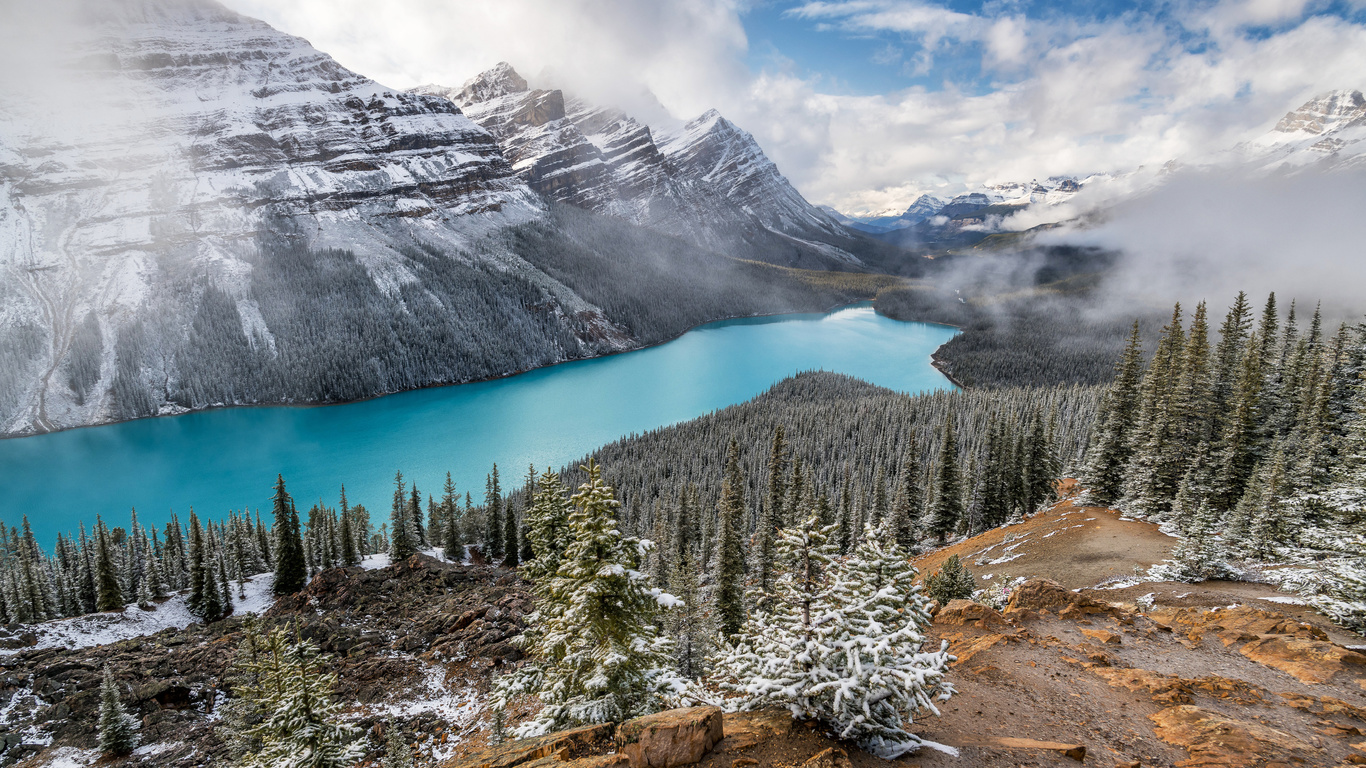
(866, 104)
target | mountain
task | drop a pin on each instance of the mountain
(197, 210)
(1327, 132)
(708, 182)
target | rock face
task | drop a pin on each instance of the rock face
(709, 182)
(667, 739)
(1326, 132)
(182, 186)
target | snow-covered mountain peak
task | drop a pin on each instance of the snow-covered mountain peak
(494, 83)
(1324, 112)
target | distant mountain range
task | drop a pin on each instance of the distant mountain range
(197, 209)
(1326, 133)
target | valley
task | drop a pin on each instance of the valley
(652, 385)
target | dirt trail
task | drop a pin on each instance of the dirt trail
(1076, 546)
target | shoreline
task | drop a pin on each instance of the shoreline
(438, 385)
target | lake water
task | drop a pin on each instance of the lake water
(228, 459)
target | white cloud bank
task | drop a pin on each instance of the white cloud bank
(1069, 97)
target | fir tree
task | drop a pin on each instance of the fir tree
(596, 655)
(511, 541)
(109, 593)
(118, 730)
(771, 513)
(493, 518)
(349, 556)
(452, 539)
(951, 582)
(287, 698)
(547, 523)
(730, 557)
(397, 752)
(909, 499)
(198, 569)
(1119, 413)
(291, 569)
(947, 506)
(402, 536)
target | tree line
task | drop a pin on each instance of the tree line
(1250, 443)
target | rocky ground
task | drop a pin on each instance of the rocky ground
(411, 643)
(1214, 674)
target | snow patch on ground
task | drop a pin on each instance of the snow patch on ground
(457, 703)
(71, 757)
(104, 628)
(376, 561)
(1286, 600)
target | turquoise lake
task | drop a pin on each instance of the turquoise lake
(227, 459)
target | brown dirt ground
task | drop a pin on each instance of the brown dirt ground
(1076, 546)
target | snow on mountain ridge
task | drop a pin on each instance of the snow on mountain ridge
(705, 182)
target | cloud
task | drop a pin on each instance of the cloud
(1056, 95)
(1208, 235)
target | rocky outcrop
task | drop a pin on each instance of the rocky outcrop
(552, 749)
(1217, 741)
(672, 738)
(961, 612)
(1309, 661)
(1038, 595)
(1326, 132)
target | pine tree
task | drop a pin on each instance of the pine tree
(596, 655)
(1119, 413)
(951, 582)
(415, 518)
(291, 570)
(1240, 444)
(109, 593)
(493, 518)
(118, 730)
(287, 716)
(730, 557)
(402, 536)
(771, 513)
(947, 506)
(909, 499)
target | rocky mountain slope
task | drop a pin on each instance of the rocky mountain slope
(197, 210)
(1327, 132)
(709, 181)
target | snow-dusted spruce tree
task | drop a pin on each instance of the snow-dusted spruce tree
(117, 728)
(596, 654)
(397, 752)
(884, 676)
(841, 642)
(286, 717)
(777, 658)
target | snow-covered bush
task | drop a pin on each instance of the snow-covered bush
(841, 642)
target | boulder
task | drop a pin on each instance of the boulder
(1104, 636)
(1049, 595)
(1310, 661)
(564, 746)
(745, 729)
(674, 737)
(963, 612)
